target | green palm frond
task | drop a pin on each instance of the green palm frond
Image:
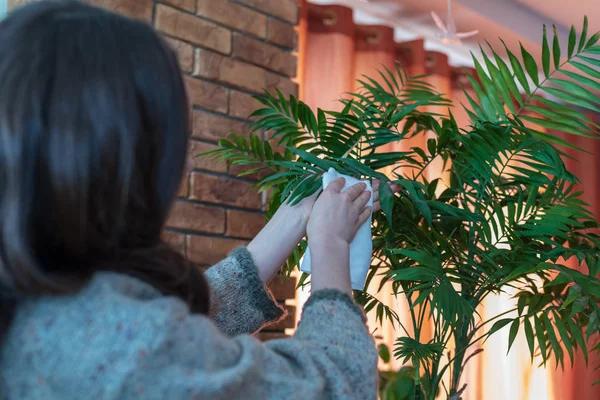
(559, 319)
(567, 79)
(372, 303)
(503, 215)
(408, 349)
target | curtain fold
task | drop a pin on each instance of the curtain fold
(576, 383)
(335, 51)
(412, 57)
(330, 44)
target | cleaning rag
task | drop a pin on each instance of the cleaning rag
(361, 248)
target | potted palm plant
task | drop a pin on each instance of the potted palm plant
(505, 214)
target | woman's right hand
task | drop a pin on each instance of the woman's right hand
(333, 223)
(337, 216)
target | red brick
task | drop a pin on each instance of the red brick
(187, 4)
(283, 83)
(266, 336)
(214, 127)
(139, 9)
(197, 217)
(241, 105)
(275, 142)
(216, 67)
(185, 53)
(175, 240)
(223, 190)
(193, 29)
(206, 94)
(289, 322)
(285, 9)
(184, 188)
(263, 54)
(210, 250)
(283, 288)
(236, 170)
(206, 162)
(244, 224)
(282, 34)
(234, 15)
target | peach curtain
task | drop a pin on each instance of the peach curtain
(334, 52)
(576, 383)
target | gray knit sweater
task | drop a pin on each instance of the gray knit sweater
(119, 338)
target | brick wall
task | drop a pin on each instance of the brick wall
(229, 50)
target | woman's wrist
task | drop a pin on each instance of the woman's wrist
(294, 215)
(277, 240)
(330, 260)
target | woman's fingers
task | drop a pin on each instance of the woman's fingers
(361, 201)
(376, 205)
(364, 216)
(355, 190)
(375, 186)
(395, 188)
(336, 185)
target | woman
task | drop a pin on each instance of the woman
(93, 135)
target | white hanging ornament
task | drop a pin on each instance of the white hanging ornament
(448, 34)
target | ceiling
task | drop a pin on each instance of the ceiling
(515, 21)
(566, 12)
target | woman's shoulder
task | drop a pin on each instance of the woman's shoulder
(121, 285)
(109, 301)
(80, 340)
(107, 294)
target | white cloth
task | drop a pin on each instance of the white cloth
(361, 248)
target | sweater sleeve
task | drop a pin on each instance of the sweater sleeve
(331, 356)
(240, 303)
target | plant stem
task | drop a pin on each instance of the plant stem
(417, 380)
(417, 334)
(460, 343)
(462, 337)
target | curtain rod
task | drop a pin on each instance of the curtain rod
(327, 15)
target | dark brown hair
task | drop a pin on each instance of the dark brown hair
(93, 137)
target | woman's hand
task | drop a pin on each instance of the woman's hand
(278, 239)
(333, 223)
(336, 216)
(304, 207)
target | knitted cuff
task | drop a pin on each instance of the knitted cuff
(259, 295)
(335, 295)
